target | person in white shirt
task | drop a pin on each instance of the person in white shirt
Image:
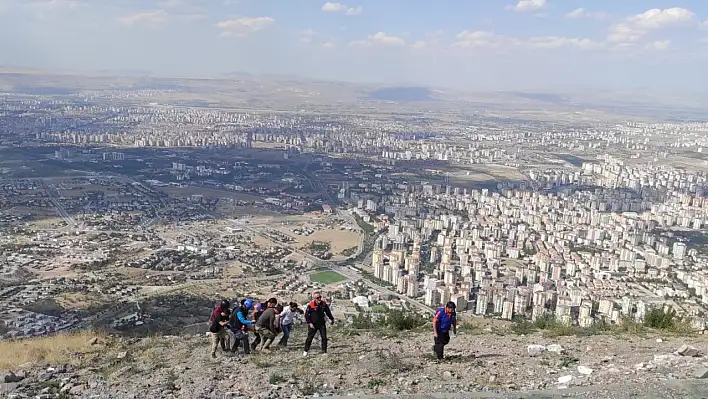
(287, 318)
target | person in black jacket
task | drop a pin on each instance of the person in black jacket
(218, 331)
(315, 315)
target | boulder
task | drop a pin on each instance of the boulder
(686, 350)
(535, 350)
(11, 377)
(701, 372)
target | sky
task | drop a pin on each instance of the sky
(468, 44)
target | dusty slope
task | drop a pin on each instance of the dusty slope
(367, 364)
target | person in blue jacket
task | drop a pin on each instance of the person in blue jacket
(445, 318)
(240, 325)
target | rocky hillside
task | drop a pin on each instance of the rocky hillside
(482, 362)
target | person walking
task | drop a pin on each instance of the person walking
(215, 314)
(240, 326)
(287, 319)
(315, 315)
(258, 310)
(444, 319)
(266, 324)
(218, 331)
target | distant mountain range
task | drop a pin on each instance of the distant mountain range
(292, 89)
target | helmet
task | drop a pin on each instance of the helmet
(225, 304)
(248, 303)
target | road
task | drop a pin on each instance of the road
(345, 271)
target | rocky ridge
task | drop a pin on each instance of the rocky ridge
(480, 362)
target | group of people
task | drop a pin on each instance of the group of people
(232, 328)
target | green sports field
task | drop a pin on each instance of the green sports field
(327, 277)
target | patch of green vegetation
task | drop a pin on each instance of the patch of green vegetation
(375, 383)
(392, 321)
(319, 246)
(275, 379)
(328, 277)
(379, 308)
(666, 319)
(366, 227)
(660, 319)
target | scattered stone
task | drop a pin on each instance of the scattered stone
(584, 370)
(688, 351)
(492, 378)
(447, 374)
(701, 372)
(565, 379)
(122, 355)
(11, 377)
(92, 341)
(555, 348)
(535, 350)
(659, 340)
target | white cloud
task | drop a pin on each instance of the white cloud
(558, 42)
(636, 27)
(580, 13)
(150, 17)
(243, 26)
(528, 5)
(432, 38)
(476, 39)
(379, 39)
(328, 44)
(659, 45)
(471, 39)
(341, 8)
(704, 25)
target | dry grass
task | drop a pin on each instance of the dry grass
(55, 349)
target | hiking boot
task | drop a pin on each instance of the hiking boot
(213, 355)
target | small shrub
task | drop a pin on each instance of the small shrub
(666, 319)
(376, 383)
(275, 379)
(364, 321)
(402, 321)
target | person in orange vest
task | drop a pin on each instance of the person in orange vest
(445, 318)
(315, 315)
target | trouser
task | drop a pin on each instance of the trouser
(256, 341)
(221, 337)
(241, 339)
(286, 334)
(268, 336)
(311, 332)
(441, 340)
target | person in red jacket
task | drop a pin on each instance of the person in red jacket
(315, 315)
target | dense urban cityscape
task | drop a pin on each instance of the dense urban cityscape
(507, 218)
(132, 212)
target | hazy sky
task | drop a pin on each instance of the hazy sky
(466, 43)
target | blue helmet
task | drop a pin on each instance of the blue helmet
(248, 304)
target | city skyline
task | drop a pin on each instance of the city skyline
(529, 44)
